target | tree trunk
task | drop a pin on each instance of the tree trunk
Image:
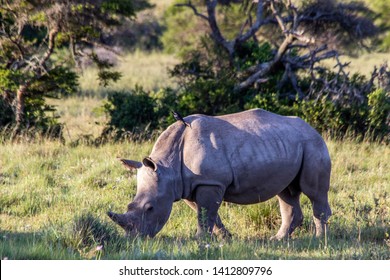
(19, 113)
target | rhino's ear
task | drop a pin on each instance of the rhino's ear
(131, 164)
(148, 162)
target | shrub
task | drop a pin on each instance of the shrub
(379, 113)
(6, 113)
(137, 114)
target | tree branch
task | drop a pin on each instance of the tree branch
(51, 44)
(193, 8)
(278, 17)
(215, 31)
(256, 26)
(264, 68)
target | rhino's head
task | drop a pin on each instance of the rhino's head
(152, 205)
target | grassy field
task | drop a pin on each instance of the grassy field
(149, 70)
(53, 200)
(54, 196)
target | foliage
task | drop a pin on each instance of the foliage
(34, 32)
(379, 113)
(138, 113)
(224, 73)
(5, 112)
(182, 30)
(60, 81)
(131, 110)
(144, 33)
(368, 120)
(382, 7)
(207, 86)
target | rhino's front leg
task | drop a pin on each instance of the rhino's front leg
(219, 227)
(208, 200)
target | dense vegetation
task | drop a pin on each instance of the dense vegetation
(235, 55)
(222, 73)
(33, 64)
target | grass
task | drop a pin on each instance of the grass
(54, 196)
(149, 70)
(363, 64)
(82, 116)
(53, 200)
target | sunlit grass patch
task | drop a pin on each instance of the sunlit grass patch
(148, 70)
(54, 198)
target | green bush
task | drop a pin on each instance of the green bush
(40, 117)
(379, 113)
(207, 78)
(138, 113)
(6, 113)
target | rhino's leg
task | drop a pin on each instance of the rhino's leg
(291, 212)
(314, 182)
(208, 200)
(219, 228)
(322, 212)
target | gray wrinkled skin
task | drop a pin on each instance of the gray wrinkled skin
(243, 158)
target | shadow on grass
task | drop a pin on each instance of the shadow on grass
(33, 246)
(88, 237)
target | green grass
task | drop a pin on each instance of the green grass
(82, 117)
(149, 70)
(53, 196)
(53, 200)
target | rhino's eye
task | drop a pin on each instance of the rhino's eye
(148, 207)
(130, 207)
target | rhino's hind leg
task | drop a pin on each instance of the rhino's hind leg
(291, 212)
(219, 227)
(322, 212)
(314, 182)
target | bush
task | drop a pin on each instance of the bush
(6, 113)
(39, 116)
(41, 125)
(369, 119)
(137, 114)
(379, 113)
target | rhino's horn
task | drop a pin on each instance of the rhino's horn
(120, 219)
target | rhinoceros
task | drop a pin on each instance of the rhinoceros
(243, 158)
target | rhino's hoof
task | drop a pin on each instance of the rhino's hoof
(222, 233)
(276, 237)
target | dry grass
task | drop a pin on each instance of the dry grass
(148, 70)
(81, 116)
(363, 64)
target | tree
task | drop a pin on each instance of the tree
(272, 56)
(32, 34)
(302, 35)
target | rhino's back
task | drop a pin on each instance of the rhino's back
(255, 153)
(272, 136)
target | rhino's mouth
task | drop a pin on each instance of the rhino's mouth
(130, 227)
(122, 220)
